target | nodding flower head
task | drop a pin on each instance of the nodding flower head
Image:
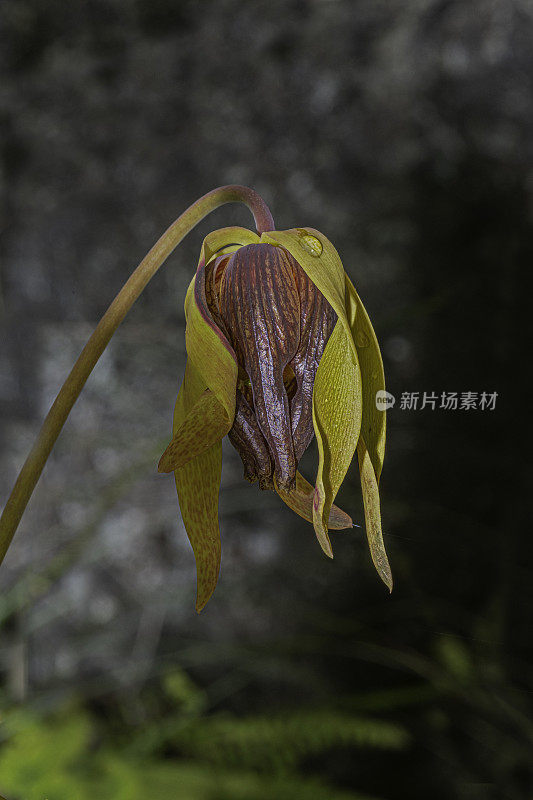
(279, 348)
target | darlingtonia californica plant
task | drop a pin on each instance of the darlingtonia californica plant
(279, 348)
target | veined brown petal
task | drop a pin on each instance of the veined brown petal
(317, 320)
(260, 306)
(247, 439)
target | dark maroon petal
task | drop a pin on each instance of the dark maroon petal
(211, 281)
(278, 324)
(260, 306)
(249, 442)
(316, 325)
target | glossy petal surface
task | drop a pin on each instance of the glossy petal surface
(260, 306)
(317, 321)
(337, 421)
(248, 440)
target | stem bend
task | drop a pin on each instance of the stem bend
(69, 392)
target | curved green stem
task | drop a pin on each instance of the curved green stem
(69, 392)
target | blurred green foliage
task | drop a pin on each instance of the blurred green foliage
(185, 754)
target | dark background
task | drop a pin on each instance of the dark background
(403, 131)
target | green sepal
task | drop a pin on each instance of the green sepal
(337, 422)
(369, 486)
(373, 423)
(205, 424)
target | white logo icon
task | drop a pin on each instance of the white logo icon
(384, 400)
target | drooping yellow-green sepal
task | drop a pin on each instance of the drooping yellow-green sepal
(205, 424)
(300, 500)
(206, 405)
(209, 351)
(207, 347)
(373, 423)
(198, 484)
(337, 422)
(370, 489)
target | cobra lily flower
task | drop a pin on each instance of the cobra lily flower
(279, 347)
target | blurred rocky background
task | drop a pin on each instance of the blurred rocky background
(404, 132)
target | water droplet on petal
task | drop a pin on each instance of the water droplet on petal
(361, 339)
(310, 244)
